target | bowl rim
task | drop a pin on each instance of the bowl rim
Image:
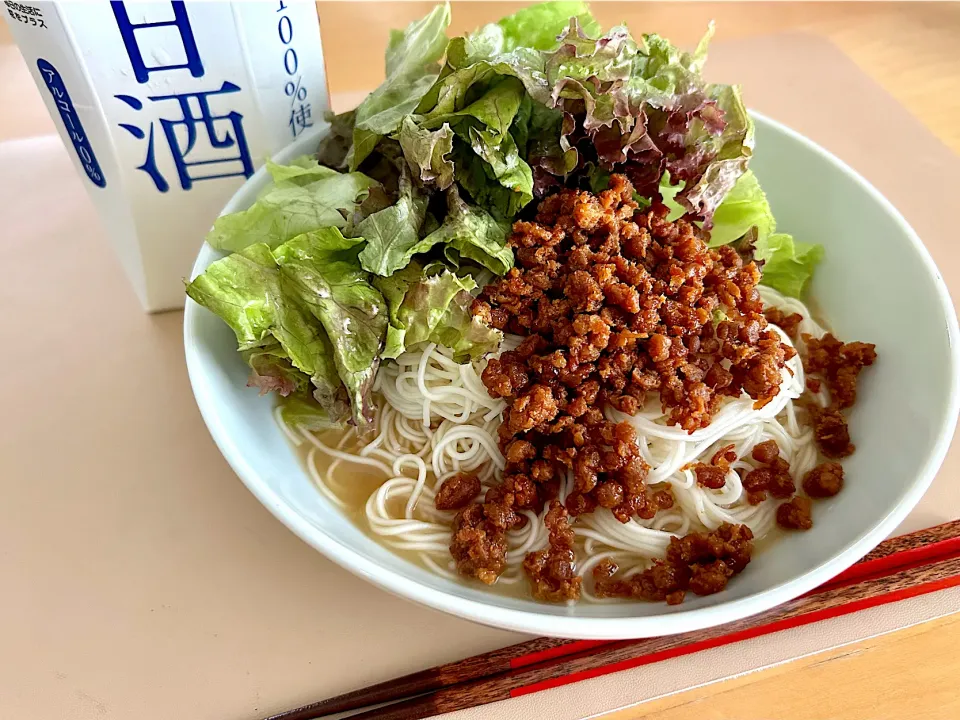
(612, 628)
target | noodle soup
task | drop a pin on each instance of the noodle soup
(558, 315)
(435, 419)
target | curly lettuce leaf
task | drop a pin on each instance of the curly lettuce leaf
(495, 109)
(514, 41)
(745, 219)
(485, 93)
(470, 71)
(546, 151)
(484, 125)
(476, 64)
(701, 131)
(393, 234)
(426, 308)
(394, 288)
(744, 207)
(336, 144)
(300, 410)
(458, 329)
(427, 153)
(713, 159)
(580, 57)
(272, 371)
(246, 291)
(642, 108)
(298, 172)
(305, 196)
(321, 270)
(539, 25)
(472, 233)
(481, 183)
(240, 289)
(411, 71)
(501, 155)
(663, 67)
(279, 214)
(533, 28)
(788, 264)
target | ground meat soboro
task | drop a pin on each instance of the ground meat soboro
(617, 305)
(552, 571)
(831, 433)
(479, 544)
(773, 475)
(795, 514)
(456, 491)
(702, 563)
(825, 480)
(839, 364)
(788, 323)
(710, 476)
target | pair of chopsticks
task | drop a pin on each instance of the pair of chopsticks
(899, 568)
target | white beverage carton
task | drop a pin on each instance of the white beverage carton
(167, 107)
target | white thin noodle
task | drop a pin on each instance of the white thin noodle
(435, 419)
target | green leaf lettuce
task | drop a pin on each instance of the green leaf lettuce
(304, 310)
(411, 70)
(472, 233)
(786, 264)
(435, 308)
(393, 234)
(320, 268)
(304, 196)
(427, 153)
(300, 410)
(246, 291)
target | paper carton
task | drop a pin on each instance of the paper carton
(167, 108)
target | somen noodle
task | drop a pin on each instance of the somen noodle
(435, 418)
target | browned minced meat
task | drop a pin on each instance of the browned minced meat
(723, 457)
(551, 571)
(795, 514)
(773, 475)
(479, 544)
(788, 323)
(710, 476)
(765, 452)
(626, 299)
(661, 581)
(699, 562)
(825, 480)
(831, 433)
(456, 491)
(663, 499)
(614, 305)
(732, 544)
(840, 364)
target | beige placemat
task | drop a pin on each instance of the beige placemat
(141, 580)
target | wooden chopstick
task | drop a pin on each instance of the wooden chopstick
(916, 548)
(630, 654)
(485, 678)
(474, 668)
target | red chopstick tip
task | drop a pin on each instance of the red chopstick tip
(555, 652)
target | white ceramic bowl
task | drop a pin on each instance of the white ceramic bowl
(876, 284)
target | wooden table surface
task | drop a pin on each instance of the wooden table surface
(913, 50)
